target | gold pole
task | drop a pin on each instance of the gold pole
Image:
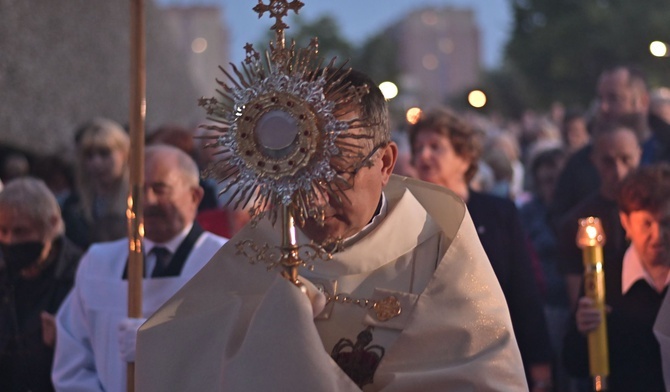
(136, 121)
(591, 239)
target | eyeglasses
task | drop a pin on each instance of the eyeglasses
(348, 175)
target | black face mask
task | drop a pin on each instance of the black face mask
(20, 256)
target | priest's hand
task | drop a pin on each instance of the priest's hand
(127, 335)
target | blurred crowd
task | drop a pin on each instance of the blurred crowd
(526, 183)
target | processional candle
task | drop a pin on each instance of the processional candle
(590, 238)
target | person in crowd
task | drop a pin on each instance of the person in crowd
(622, 97)
(659, 120)
(575, 131)
(213, 216)
(96, 211)
(240, 327)
(545, 167)
(403, 165)
(484, 180)
(183, 139)
(616, 152)
(634, 288)
(14, 165)
(503, 172)
(507, 144)
(58, 174)
(445, 152)
(95, 339)
(37, 270)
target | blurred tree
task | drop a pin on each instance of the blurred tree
(331, 41)
(507, 93)
(561, 46)
(378, 57)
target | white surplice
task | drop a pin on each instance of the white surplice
(87, 356)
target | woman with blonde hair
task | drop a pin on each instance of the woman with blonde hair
(96, 212)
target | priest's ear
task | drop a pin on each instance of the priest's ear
(388, 159)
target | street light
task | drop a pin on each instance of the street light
(389, 90)
(413, 115)
(477, 98)
(199, 45)
(658, 49)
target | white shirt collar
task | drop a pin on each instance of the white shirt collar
(172, 244)
(633, 270)
(370, 226)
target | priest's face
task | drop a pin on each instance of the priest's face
(358, 204)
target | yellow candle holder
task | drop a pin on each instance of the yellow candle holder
(590, 238)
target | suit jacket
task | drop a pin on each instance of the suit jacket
(87, 351)
(238, 327)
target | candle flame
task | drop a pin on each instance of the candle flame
(590, 232)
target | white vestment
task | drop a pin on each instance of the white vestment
(237, 327)
(87, 355)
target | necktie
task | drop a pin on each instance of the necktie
(163, 256)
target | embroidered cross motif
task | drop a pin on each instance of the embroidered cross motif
(358, 360)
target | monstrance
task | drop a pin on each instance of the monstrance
(278, 123)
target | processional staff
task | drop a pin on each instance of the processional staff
(136, 121)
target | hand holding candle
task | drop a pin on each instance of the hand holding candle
(590, 239)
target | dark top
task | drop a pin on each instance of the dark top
(499, 228)
(83, 233)
(615, 236)
(25, 361)
(634, 353)
(578, 179)
(535, 220)
(661, 136)
(209, 198)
